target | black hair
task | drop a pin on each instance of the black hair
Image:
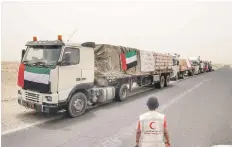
(152, 103)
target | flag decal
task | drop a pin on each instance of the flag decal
(128, 60)
(37, 74)
(33, 74)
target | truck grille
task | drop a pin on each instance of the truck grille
(32, 97)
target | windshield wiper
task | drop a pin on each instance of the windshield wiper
(44, 64)
(27, 62)
(40, 63)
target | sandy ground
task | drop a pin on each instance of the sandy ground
(10, 117)
(9, 80)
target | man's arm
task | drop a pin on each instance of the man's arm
(166, 134)
(138, 133)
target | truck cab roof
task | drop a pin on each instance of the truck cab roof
(59, 43)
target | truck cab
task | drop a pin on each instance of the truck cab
(195, 62)
(175, 66)
(51, 71)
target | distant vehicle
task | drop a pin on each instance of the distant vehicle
(221, 146)
(180, 67)
(210, 66)
(202, 66)
(195, 62)
(55, 75)
(186, 68)
(175, 66)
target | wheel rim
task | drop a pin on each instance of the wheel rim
(123, 92)
(162, 81)
(77, 105)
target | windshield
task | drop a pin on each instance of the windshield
(194, 62)
(42, 55)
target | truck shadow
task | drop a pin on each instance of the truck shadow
(64, 122)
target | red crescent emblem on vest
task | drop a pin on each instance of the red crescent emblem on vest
(150, 125)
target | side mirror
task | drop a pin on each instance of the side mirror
(66, 59)
(23, 53)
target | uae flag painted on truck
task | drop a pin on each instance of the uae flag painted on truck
(128, 60)
(33, 77)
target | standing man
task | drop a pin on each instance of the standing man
(152, 127)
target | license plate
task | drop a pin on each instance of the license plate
(31, 105)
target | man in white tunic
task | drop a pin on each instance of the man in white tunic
(152, 127)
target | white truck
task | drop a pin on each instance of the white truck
(56, 75)
(196, 63)
(175, 66)
(180, 67)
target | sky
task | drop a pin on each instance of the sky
(188, 28)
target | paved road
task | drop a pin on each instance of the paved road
(198, 112)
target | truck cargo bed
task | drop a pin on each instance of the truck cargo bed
(185, 65)
(119, 61)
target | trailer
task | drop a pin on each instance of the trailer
(56, 75)
(185, 68)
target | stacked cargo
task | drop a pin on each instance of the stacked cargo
(184, 64)
(107, 60)
(118, 61)
(162, 62)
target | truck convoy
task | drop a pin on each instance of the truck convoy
(180, 67)
(56, 75)
(207, 66)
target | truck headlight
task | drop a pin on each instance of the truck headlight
(49, 98)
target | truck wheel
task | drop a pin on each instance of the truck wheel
(181, 76)
(176, 77)
(77, 104)
(160, 84)
(167, 80)
(121, 93)
(190, 73)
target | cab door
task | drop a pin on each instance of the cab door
(175, 67)
(69, 72)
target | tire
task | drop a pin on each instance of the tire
(77, 104)
(160, 84)
(181, 75)
(176, 77)
(190, 73)
(167, 80)
(121, 93)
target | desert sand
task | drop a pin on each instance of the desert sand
(18, 116)
(9, 80)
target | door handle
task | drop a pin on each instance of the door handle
(80, 79)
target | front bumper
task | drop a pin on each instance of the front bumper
(45, 108)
